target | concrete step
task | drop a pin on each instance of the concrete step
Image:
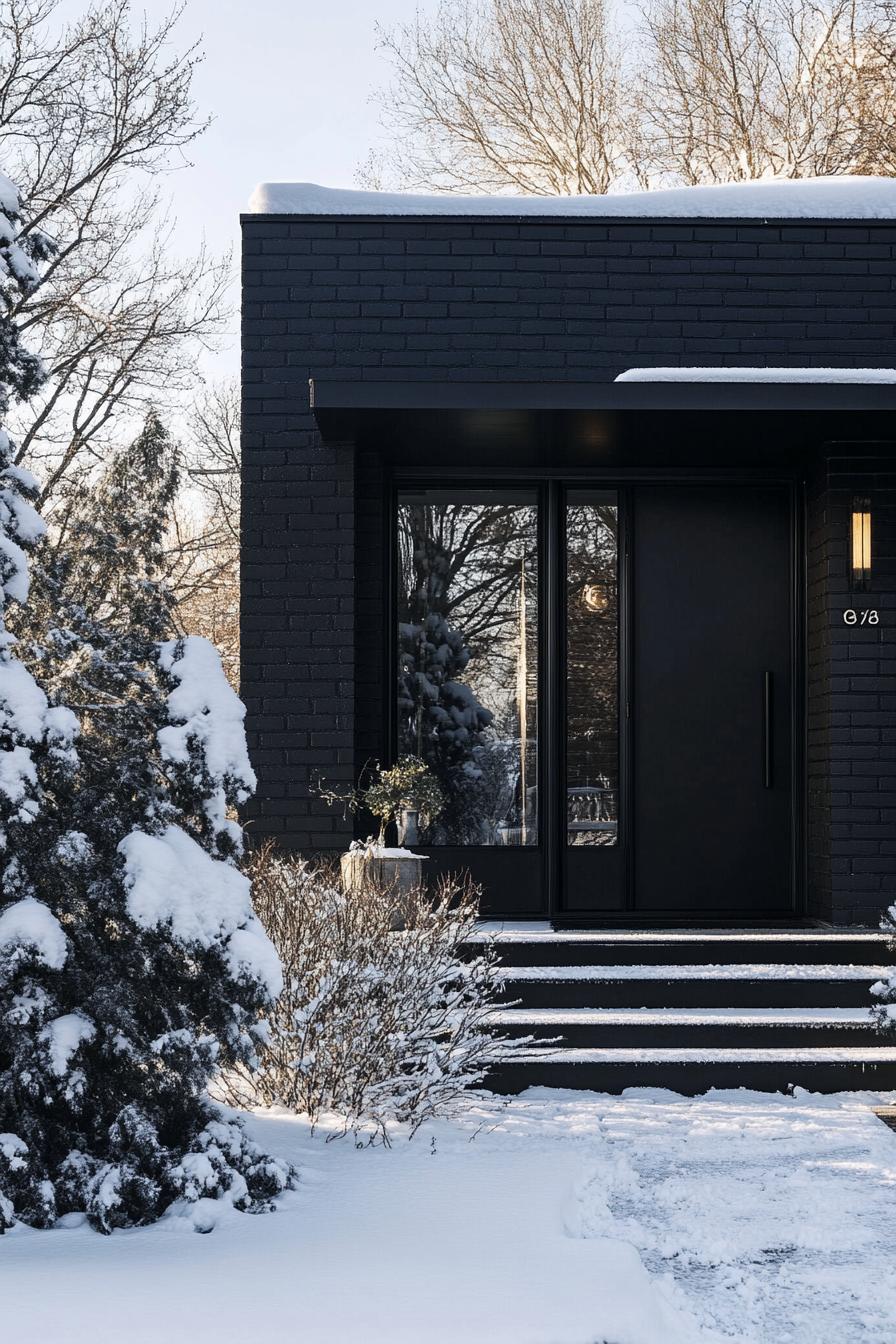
(737, 985)
(692, 1009)
(691, 1071)
(645, 1028)
(540, 945)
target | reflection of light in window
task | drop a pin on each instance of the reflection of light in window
(595, 596)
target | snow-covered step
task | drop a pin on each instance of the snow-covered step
(539, 944)
(540, 930)
(720, 971)
(692, 1071)
(692, 1009)
(736, 985)
(682, 1055)
(692, 1027)
(736, 1017)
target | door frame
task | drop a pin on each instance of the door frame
(551, 484)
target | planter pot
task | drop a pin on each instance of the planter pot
(408, 826)
(389, 870)
(393, 872)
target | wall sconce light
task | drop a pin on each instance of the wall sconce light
(860, 545)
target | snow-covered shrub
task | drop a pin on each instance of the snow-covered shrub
(373, 1024)
(884, 1011)
(132, 965)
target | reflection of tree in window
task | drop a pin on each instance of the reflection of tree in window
(468, 662)
(592, 620)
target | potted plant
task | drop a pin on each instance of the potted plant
(405, 794)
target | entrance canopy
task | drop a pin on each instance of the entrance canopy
(602, 423)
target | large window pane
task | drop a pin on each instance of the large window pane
(468, 659)
(592, 669)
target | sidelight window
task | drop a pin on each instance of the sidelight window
(592, 668)
(468, 658)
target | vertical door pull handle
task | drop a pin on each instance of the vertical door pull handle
(768, 742)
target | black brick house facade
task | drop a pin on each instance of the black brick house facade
(469, 344)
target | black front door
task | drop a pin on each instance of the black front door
(711, 694)
(603, 680)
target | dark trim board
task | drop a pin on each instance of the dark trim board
(543, 395)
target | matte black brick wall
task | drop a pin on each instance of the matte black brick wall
(548, 299)
(852, 693)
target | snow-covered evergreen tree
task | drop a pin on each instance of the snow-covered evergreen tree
(441, 720)
(38, 1036)
(165, 965)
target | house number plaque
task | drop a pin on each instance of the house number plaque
(870, 616)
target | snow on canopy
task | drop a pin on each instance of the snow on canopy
(171, 880)
(204, 708)
(9, 195)
(23, 705)
(755, 375)
(207, 718)
(18, 775)
(14, 259)
(31, 925)
(62, 1038)
(774, 198)
(26, 714)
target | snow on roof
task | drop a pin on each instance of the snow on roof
(756, 375)
(810, 198)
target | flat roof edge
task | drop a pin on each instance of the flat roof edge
(599, 221)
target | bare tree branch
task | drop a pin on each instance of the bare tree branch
(566, 96)
(90, 113)
(204, 542)
(498, 95)
(741, 89)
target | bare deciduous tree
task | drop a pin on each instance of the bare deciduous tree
(497, 95)
(742, 89)
(91, 113)
(213, 456)
(563, 96)
(204, 544)
(204, 575)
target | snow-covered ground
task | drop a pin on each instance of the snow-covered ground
(562, 1218)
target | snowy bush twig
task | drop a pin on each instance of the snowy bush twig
(884, 1011)
(375, 1024)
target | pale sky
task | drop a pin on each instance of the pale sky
(289, 85)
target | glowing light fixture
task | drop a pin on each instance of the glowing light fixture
(860, 545)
